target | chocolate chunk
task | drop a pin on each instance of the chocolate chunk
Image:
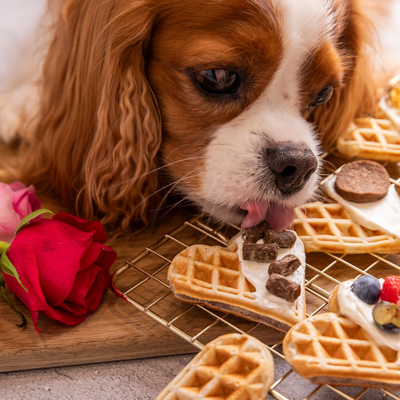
(362, 181)
(285, 266)
(255, 233)
(260, 252)
(282, 239)
(282, 287)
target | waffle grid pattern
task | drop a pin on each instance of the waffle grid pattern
(340, 348)
(234, 366)
(320, 280)
(328, 227)
(205, 272)
(372, 138)
(212, 270)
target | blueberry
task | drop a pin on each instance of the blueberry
(387, 316)
(367, 288)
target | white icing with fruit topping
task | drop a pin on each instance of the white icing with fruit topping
(257, 274)
(380, 215)
(361, 313)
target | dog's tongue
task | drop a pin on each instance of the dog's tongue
(256, 212)
(278, 216)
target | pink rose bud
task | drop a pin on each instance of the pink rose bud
(64, 266)
(16, 202)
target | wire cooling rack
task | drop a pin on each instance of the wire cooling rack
(142, 282)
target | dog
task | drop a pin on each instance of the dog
(231, 101)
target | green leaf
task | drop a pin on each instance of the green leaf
(4, 247)
(32, 216)
(7, 267)
(12, 306)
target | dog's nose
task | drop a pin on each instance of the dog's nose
(292, 165)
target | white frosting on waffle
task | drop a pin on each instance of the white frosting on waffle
(257, 274)
(380, 215)
(361, 313)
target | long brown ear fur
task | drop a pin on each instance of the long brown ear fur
(99, 128)
(357, 96)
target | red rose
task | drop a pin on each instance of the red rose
(64, 266)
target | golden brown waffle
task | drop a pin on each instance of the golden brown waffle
(211, 275)
(389, 105)
(233, 366)
(327, 227)
(328, 349)
(371, 138)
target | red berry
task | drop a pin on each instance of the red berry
(391, 289)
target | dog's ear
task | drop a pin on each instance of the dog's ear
(99, 128)
(357, 96)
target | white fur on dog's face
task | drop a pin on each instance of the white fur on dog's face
(235, 171)
(232, 152)
(234, 168)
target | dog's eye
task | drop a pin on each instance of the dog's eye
(217, 81)
(322, 97)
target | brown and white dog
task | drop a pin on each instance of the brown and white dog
(231, 98)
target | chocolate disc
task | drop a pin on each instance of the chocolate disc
(362, 181)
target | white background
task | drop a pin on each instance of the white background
(19, 23)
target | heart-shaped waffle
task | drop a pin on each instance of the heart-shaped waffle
(329, 349)
(378, 137)
(327, 227)
(232, 366)
(213, 276)
(371, 138)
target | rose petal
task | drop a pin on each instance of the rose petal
(87, 226)
(59, 248)
(33, 299)
(24, 199)
(90, 255)
(76, 300)
(33, 199)
(9, 219)
(70, 316)
(106, 258)
(95, 294)
(35, 316)
(29, 275)
(67, 318)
